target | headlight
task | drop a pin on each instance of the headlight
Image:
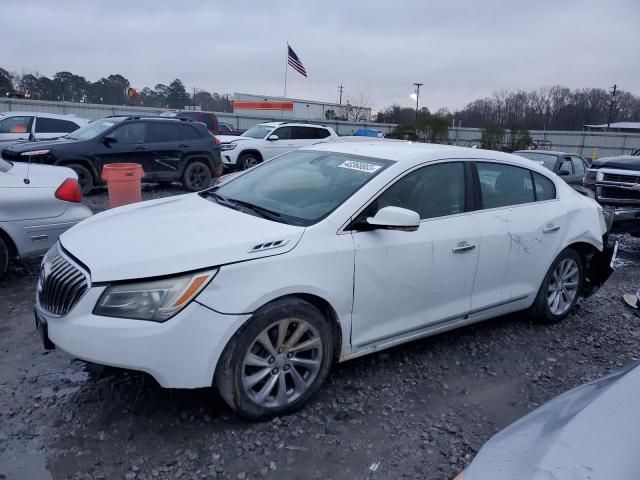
(155, 300)
(228, 146)
(34, 152)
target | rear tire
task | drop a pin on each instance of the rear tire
(248, 160)
(4, 258)
(197, 176)
(269, 367)
(85, 178)
(560, 288)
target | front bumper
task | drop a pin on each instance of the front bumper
(179, 353)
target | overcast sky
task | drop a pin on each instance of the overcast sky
(461, 50)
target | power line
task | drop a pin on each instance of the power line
(611, 104)
(418, 85)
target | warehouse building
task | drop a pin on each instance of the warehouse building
(292, 108)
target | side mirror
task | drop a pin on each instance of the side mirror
(108, 140)
(395, 218)
(273, 138)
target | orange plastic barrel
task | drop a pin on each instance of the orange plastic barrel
(123, 183)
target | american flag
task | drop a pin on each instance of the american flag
(295, 62)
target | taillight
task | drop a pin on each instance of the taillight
(218, 142)
(69, 191)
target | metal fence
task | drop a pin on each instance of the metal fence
(95, 111)
(588, 144)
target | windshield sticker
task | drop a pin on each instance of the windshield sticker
(360, 166)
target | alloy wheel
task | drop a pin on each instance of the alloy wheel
(249, 162)
(198, 177)
(563, 286)
(282, 363)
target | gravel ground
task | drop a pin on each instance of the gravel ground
(420, 410)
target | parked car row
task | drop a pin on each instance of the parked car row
(169, 149)
(29, 126)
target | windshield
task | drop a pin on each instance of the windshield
(302, 187)
(92, 130)
(5, 166)
(545, 159)
(259, 131)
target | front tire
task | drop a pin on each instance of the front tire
(85, 178)
(196, 177)
(277, 361)
(248, 160)
(560, 288)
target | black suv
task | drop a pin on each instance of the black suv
(168, 149)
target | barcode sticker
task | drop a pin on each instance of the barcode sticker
(360, 166)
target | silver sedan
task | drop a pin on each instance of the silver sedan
(37, 204)
(591, 432)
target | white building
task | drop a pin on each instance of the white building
(293, 108)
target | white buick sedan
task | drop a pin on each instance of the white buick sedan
(256, 286)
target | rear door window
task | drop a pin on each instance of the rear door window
(189, 133)
(16, 125)
(305, 133)
(504, 185)
(283, 133)
(163, 132)
(54, 125)
(545, 189)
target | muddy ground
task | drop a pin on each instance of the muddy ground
(420, 410)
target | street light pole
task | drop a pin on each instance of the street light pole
(418, 85)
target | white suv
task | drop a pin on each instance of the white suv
(266, 140)
(16, 126)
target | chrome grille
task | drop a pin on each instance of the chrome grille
(60, 284)
(612, 177)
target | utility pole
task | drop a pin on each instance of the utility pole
(613, 101)
(341, 89)
(418, 85)
(194, 98)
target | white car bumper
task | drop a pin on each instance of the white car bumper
(179, 353)
(230, 157)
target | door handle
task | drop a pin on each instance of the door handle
(184, 145)
(463, 247)
(551, 228)
(140, 148)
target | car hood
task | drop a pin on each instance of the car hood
(232, 138)
(592, 431)
(172, 235)
(26, 146)
(624, 162)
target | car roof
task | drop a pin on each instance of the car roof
(546, 152)
(68, 116)
(292, 124)
(414, 152)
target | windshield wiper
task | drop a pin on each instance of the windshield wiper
(263, 212)
(233, 203)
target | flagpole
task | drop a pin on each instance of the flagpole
(286, 68)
